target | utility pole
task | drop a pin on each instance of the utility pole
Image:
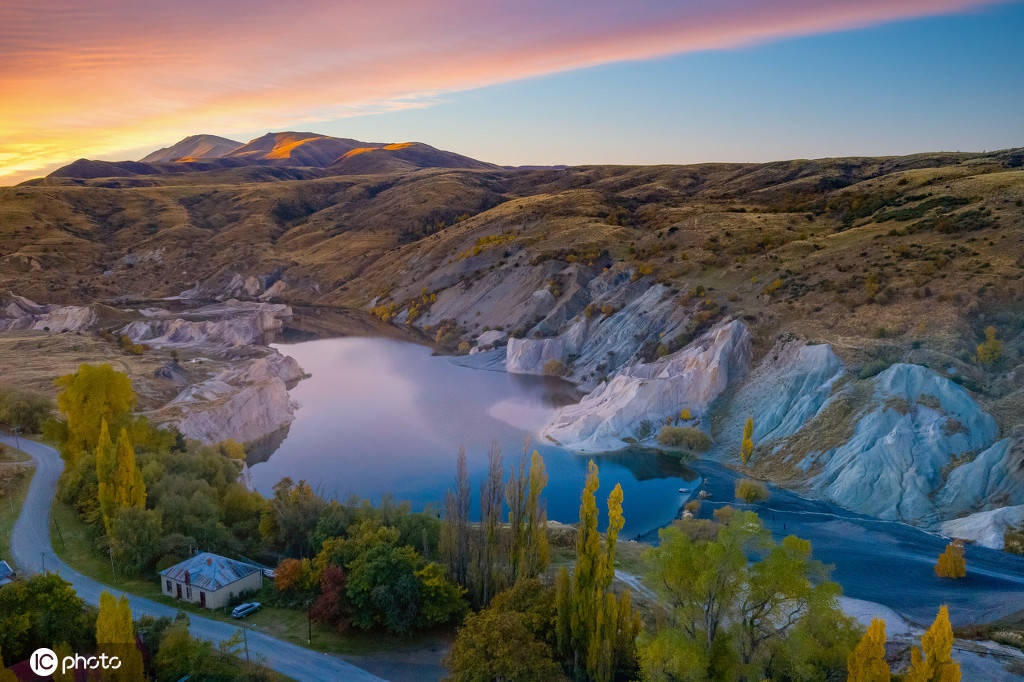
(309, 623)
(42, 560)
(113, 571)
(245, 638)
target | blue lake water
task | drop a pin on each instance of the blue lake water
(380, 417)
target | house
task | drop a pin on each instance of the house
(6, 573)
(210, 580)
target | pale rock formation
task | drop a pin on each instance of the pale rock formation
(985, 528)
(18, 312)
(691, 377)
(228, 324)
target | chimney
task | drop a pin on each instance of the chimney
(209, 561)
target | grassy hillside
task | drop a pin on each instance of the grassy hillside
(915, 253)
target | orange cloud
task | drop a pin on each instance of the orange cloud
(94, 79)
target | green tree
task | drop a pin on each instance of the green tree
(384, 589)
(136, 538)
(288, 522)
(867, 660)
(725, 617)
(24, 410)
(489, 574)
(5, 674)
(43, 608)
(92, 394)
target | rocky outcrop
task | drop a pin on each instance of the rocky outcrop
(229, 324)
(245, 402)
(18, 312)
(916, 427)
(690, 378)
(985, 528)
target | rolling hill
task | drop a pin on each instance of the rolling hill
(193, 148)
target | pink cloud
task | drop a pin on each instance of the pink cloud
(81, 79)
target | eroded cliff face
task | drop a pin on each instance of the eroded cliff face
(649, 392)
(223, 325)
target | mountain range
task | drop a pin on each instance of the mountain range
(283, 150)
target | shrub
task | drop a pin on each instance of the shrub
(951, 562)
(991, 349)
(554, 368)
(685, 437)
(751, 491)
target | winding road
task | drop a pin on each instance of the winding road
(32, 553)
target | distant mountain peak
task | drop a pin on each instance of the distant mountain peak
(192, 148)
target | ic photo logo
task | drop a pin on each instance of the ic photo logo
(44, 662)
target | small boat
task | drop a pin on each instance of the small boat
(684, 490)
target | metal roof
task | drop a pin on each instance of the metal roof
(209, 571)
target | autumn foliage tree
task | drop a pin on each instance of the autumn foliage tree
(991, 349)
(93, 394)
(866, 662)
(595, 629)
(115, 636)
(120, 484)
(951, 563)
(935, 663)
(747, 446)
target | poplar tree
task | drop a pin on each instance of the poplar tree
(455, 529)
(515, 498)
(935, 663)
(106, 467)
(747, 447)
(866, 663)
(115, 635)
(538, 554)
(951, 563)
(488, 573)
(131, 491)
(595, 630)
(93, 394)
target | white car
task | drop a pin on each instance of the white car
(243, 610)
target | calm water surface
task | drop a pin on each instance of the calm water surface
(382, 417)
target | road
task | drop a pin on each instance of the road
(32, 553)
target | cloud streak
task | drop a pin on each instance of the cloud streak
(93, 79)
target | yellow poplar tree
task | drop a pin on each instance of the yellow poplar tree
(106, 466)
(747, 447)
(92, 394)
(537, 551)
(115, 635)
(936, 663)
(130, 490)
(866, 663)
(951, 563)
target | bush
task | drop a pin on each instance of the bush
(554, 368)
(24, 410)
(685, 437)
(751, 491)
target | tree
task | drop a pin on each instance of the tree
(515, 498)
(5, 674)
(747, 446)
(91, 395)
(384, 589)
(43, 608)
(442, 599)
(291, 517)
(106, 467)
(498, 645)
(951, 563)
(726, 618)
(455, 530)
(867, 660)
(537, 553)
(935, 663)
(332, 606)
(590, 618)
(685, 437)
(990, 350)
(115, 636)
(136, 538)
(24, 410)
(119, 480)
(488, 572)
(751, 491)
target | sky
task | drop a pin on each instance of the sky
(525, 82)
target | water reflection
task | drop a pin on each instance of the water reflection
(379, 416)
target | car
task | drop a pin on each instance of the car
(243, 610)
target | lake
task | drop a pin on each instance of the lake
(381, 417)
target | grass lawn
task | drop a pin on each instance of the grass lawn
(74, 543)
(14, 482)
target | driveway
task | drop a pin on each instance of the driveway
(32, 553)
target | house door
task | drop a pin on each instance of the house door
(202, 599)
(179, 590)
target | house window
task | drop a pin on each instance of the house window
(168, 585)
(188, 593)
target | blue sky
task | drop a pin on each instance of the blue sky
(946, 83)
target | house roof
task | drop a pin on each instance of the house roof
(209, 571)
(6, 573)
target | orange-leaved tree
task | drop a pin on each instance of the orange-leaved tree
(866, 663)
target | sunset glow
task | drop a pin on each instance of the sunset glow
(110, 77)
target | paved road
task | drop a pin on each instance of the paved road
(32, 553)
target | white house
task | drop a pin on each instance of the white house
(210, 580)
